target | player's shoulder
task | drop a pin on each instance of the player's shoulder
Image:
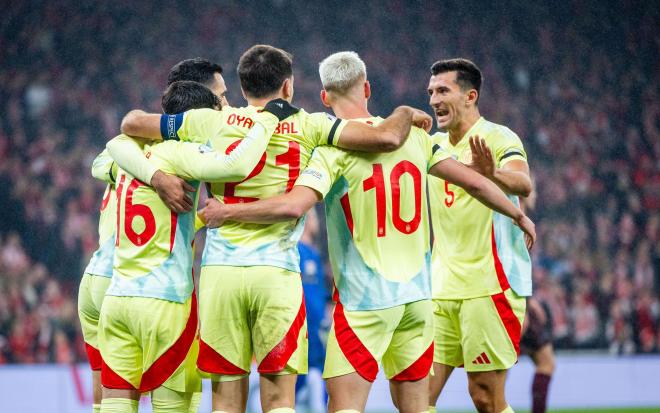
(440, 138)
(498, 133)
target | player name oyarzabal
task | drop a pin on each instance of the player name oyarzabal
(247, 122)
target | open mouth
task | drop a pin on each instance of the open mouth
(441, 112)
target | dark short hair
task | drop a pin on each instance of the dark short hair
(197, 70)
(262, 69)
(468, 75)
(184, 95)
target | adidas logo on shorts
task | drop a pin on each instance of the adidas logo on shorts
(482, 359)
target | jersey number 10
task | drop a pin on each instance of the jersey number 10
(377, 182)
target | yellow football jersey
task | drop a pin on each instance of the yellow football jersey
(289, 150)
(476, 251)
(378, 229)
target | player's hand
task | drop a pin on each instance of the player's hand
(281, 108)
(172, 190)
(422, 120)
(528, 227)
(213, 214)
(482, 157)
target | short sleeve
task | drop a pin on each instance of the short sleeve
(508, 147)
(322, 169)
(323, 129)
(196, 125)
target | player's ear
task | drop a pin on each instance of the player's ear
(324, 98)
(367, 89)
(472, 97)
(287, 89)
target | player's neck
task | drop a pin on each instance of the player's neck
(351, 109)
(261, 102)
(457, 133)
(307, 239)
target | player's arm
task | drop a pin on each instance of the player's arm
(104, 167)
(388, 136)
(513, 177)
(130, 157)
(287, 207)
(485, 191)
(194, 161)
(142, 124)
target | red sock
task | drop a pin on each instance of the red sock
(540, 392)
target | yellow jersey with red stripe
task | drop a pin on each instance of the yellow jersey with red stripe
(289, 150)
(476, 251)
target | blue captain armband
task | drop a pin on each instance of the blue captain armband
(169, 125)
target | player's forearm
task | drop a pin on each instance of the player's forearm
(240, 162)
(513, 182)
(490, 195)
(129, 156)
(104, 167)
(267, 211)
(142, 124)
(396, 127)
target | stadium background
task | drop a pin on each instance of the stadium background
(577, 80)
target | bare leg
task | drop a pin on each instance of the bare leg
(347, 392)
(487, 390)
(230, 396)
(277, 391)
(411, 396)
(437, 381)
(97, 389)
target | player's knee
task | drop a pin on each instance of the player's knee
(481, 397)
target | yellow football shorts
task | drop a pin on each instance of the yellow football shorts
(256, 310)
(401, 337)
(480, 334)
(146, 343)
(90, 298)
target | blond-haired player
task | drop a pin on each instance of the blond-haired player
(481, 267)
(378, 236)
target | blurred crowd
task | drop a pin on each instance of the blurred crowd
(578, 81)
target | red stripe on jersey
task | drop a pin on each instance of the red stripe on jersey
(419, 369)
(486, 359)
(349, 343)
(211, 361)
(509, 319)
(94, 357)
(275, 361)
(169, 361)
(501, 276)
(173, 222)
(480, 360)
(346, 206)
(112, 380)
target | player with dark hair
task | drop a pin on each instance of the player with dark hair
(378, 236)
(251, 299)
(184, 95)
(203, 71)
(481, 266)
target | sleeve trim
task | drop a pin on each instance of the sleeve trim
(110, 174)
(512, 153)
(333, 130)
